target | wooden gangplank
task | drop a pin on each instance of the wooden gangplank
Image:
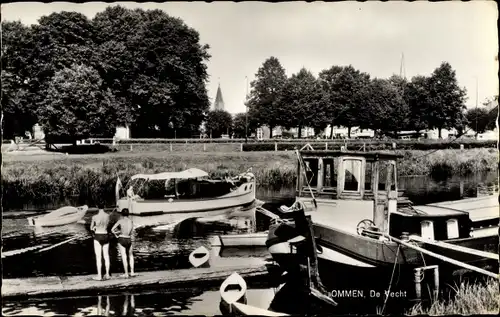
(458, 248)
(57, 285)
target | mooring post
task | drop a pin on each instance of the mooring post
(364, 147)
(461, 146)
(130, 147)
(204, 147)
(418, 285)
(170, 147)
(275, 146)
(241, 147)
(326, 145)
(436, 282)
(393, 145)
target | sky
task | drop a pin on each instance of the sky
(371, 36)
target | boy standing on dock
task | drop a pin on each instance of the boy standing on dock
(99, 226)
(123, 231)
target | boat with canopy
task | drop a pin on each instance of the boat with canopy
(188, 191)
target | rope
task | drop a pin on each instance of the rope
(390, 282)
(21, 251)
(60, 243)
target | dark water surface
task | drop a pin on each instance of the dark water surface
(168, 249)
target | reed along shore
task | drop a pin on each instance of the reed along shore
(40, 179)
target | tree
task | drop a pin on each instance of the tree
(17, 107)
(155, 63)
(447, 99)
(263, 103)
(59, 40)
(301, 101)
(218, 122)
(77, 107)
(385, 109)
(493, 116)
(478, 119)
(343, 88)
(243, 123)
(418, 98)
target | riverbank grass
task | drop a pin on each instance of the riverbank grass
(469, 299)
(87, 179)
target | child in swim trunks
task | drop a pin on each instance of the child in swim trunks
(123, 231)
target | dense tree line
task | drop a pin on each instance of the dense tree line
(79, 77)
(345, 96)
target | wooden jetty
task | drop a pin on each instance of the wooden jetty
(57, 285)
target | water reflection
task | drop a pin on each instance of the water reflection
(169, 302)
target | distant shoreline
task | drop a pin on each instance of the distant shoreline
(43, 178)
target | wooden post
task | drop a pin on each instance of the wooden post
(436, 283)
(170, 147)
(418, 286)
(364, 147)
(275, 146)
(326, 145)
(241, 147)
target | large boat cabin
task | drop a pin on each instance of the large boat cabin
(326, 177)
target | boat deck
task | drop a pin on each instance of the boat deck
(53, 285)
(479, 208)
(343, 215)
(346, 214)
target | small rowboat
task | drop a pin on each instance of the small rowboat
(257, 239)
(199, 257)
(59, 217)
(232, 290)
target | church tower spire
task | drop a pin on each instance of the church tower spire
(219, 102)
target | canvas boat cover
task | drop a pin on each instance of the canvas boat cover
(189, 173)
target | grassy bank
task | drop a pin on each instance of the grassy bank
(44, 178)
(470, 299)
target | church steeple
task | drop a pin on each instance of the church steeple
(219, 102)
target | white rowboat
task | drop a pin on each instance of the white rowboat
(233, 289)
(199, 257)
(59, 217)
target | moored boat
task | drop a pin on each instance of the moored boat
(199, 257)
(357, 214)
(59, 217)
(232, 290)
(181, 193)
(257, 239)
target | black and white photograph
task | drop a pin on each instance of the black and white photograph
(250, 158)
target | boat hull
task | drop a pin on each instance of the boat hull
(53, 220)
(337, 248)
(383, 253)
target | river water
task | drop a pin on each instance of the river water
(168, 249)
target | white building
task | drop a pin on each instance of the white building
(343, 132)
(122, 133)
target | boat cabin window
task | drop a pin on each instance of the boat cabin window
(311, 172)
(329, 174)
(352, 175)
(391, 176)
(368, 176)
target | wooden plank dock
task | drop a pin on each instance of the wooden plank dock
(57, 285)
